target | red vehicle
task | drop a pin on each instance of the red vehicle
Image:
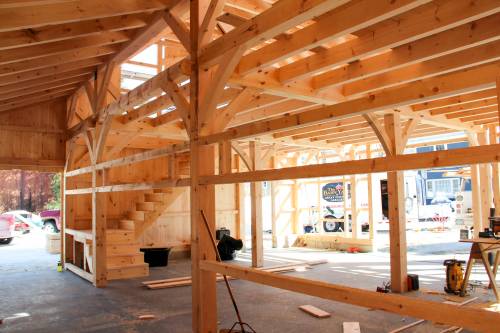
(51, 220)
(10, 226)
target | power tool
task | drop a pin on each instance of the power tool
(454, 276)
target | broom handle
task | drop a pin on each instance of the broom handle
(217, 255)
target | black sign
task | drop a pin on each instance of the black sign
(333, 192)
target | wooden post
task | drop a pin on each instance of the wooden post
(237, 201)
(225, 157)
(495, 172)
(256, 199)
(476, 190)
(498, 98)
(61, 216)
(202, 162)
(371, 224)
(68, 220)
(99, 201)
(296, 206)
(346, 214)
(397, 218)
(274, 217)
(354, 202)
(318, 198)
(486, 180)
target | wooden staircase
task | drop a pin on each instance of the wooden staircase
(148, 210)
(124, 259)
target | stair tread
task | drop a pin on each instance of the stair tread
(124, 244)
(115, 267)
(124, 255)
(117, 231)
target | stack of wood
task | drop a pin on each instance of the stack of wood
(186, 280)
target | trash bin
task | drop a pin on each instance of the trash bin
(156, 257)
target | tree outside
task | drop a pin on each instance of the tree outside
(29, 190)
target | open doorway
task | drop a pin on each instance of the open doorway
(29, 219)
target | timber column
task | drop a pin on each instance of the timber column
(397, 216)
(204, 302)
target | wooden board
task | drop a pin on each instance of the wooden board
(314, 311)
(351, 327)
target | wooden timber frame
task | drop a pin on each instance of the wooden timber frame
(257, 80)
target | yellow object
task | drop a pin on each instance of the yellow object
(454, 276)
(59, 267)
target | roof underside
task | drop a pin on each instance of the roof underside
(49, 49)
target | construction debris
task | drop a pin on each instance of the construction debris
(351, 327)
(418, 322)
(147, 317)
(433, 292)
(186, 280)
(314, 311)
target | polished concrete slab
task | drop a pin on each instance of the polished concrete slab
(34, 297)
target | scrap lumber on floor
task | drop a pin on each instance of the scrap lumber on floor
(418, 322)
(351, 327)
(314, 311)
(186, 280)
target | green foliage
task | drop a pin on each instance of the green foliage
(55, 186)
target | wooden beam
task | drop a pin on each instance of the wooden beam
(282, 16)
(30, 76)
(209, 21)
(338, 22)
(179, 28)
(462, 37)
(102, 85)
(53, 79)
(27, 163)
(473, 56)
(176, 95)
(455, 100)
(74, 11)
(136, 96)
(179, 182)
(472, 318)
(44, 89)
(225, 115)
(55, 60)
(142, 37)
(379, 132)
(410, 26)
(135, 158)
(53, 48)
(411, 125)
(211, 96)
(463, 156)
(478, 78)
(54, 33)
(10, 105)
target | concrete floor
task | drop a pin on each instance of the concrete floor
(34, 297)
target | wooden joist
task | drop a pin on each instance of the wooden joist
(54, 33)
(284, 15)
(477, 78)
(463, 156)
(471, 318)
(139, 157)
(72, 11)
